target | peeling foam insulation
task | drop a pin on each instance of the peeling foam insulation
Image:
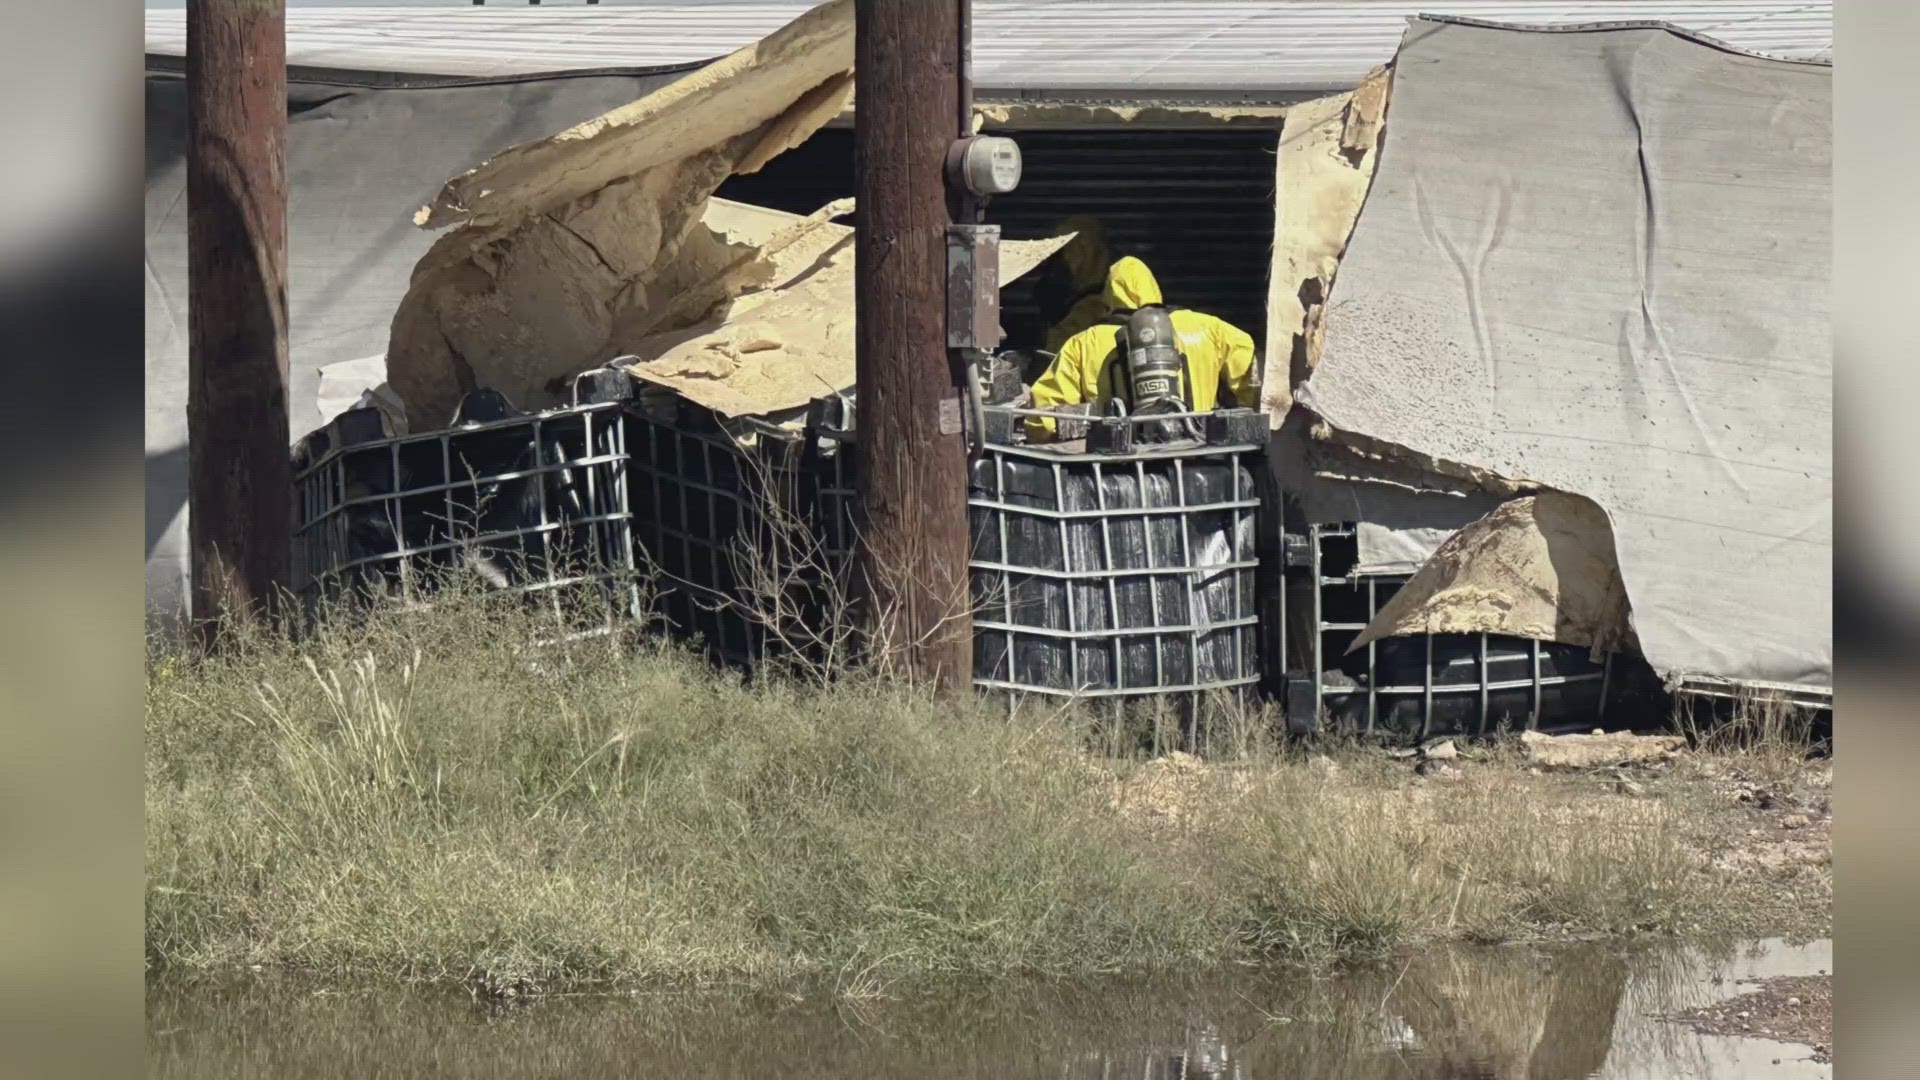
(571, 250)
(1321, 173)
(1540, 567)
(785, 345)
(1031, 114)
(1559, 282)
(1027, 115)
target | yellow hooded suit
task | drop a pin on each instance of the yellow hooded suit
(1216, 351)
(1085, 257)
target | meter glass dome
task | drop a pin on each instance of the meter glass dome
(993, 165)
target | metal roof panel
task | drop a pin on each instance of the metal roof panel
(1107, 48)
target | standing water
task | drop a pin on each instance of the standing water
(1499, 1014)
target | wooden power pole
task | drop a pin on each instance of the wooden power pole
(912, 452)
(238, 471)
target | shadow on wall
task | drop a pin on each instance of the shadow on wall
(166, 503)
(166, 486)
(166, 126)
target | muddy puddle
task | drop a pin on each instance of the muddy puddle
(1562, 1014)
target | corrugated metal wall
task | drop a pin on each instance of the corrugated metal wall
(1197, 206)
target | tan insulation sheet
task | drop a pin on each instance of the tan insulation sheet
(1325, 162)
(568, 248)
(1538, 567)
(781, 347)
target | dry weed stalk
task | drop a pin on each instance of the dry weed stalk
(340, 777)
(1764, 732)
(802, 591)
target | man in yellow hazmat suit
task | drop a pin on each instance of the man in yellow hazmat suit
(1216, 351)
(1085, 261)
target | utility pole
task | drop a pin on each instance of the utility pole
(912, 452)
(239, 500)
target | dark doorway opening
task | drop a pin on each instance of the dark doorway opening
(1195, 205)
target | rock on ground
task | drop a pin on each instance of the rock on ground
(1598, 750)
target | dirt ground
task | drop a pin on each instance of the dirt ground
(1761, 823)
(1773, 831)
(1788, 1009)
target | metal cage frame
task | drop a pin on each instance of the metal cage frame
(352, 481)
(1378, 588)
(995, 579)
(725, 493)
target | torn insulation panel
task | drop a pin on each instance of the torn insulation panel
(565, 250)
(783, 346)
(1542, 567)
(1324, 165)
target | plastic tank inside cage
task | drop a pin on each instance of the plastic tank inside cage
(530, 502)
(1112, 575)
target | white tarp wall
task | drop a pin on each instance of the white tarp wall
(1599, 261)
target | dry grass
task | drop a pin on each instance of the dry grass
(1761, 733)
(1352, 856)
(427, 795)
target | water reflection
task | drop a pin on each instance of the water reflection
(1509, 1014)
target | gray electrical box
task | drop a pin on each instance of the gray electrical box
(973, 287)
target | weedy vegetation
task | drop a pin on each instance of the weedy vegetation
(451, 795)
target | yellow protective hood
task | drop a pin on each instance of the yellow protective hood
(1130, 285)
(1086, 255)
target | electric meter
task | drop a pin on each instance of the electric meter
(985, 164)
